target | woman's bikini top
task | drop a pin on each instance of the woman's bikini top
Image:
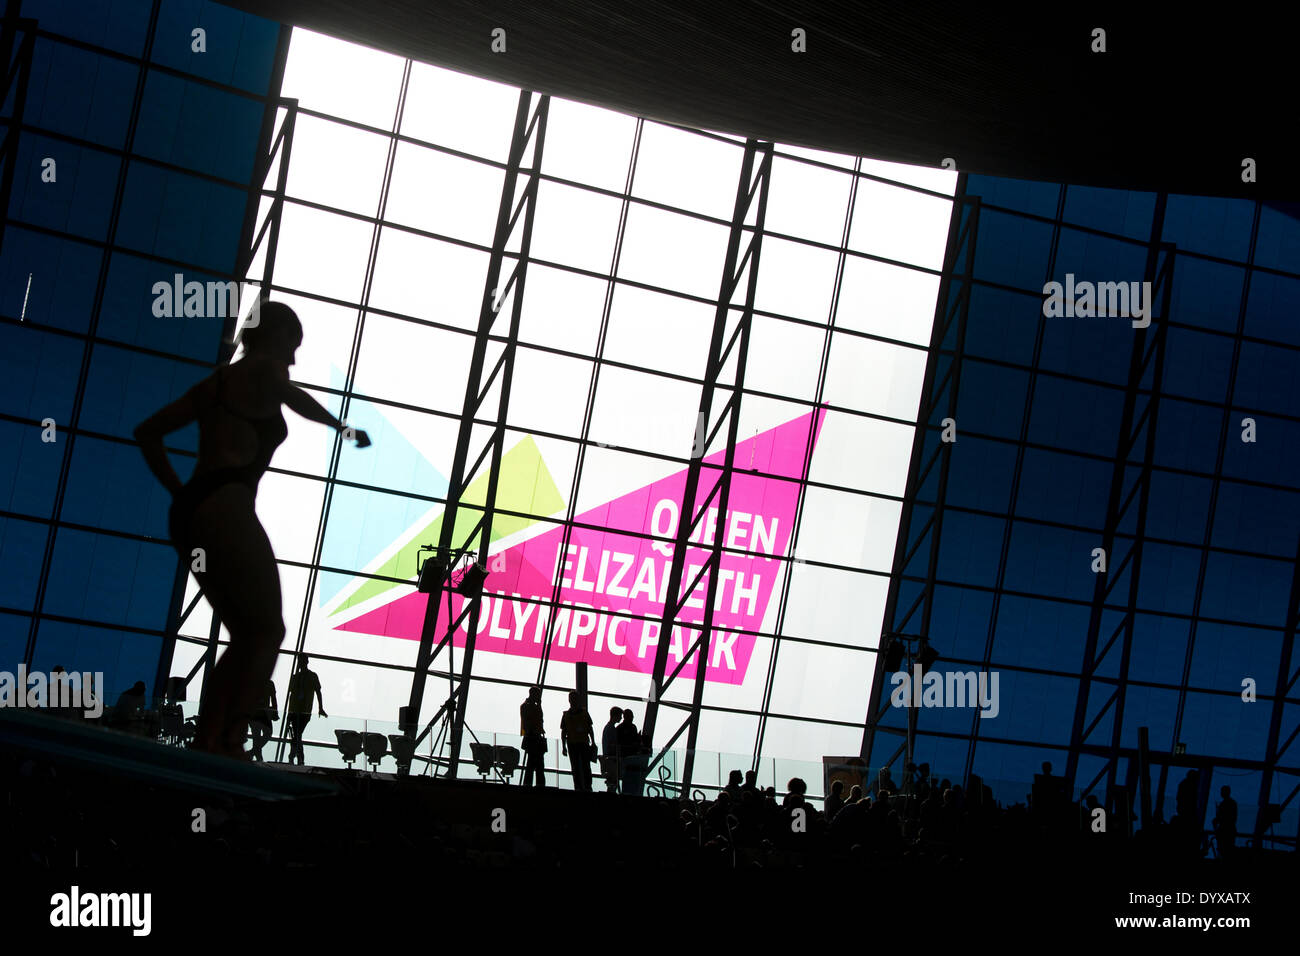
(270, 429)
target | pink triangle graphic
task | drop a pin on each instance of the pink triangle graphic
(609, 574)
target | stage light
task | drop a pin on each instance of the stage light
(471, 582)
(893, 653)
(431, 571)
(927, 657)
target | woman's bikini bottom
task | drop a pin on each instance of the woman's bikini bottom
(192, 494)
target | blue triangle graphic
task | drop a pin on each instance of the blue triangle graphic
(362, 523)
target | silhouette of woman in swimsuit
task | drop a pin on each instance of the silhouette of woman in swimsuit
(240, 426)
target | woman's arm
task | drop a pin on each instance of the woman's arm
(309, 408)
(149, 433)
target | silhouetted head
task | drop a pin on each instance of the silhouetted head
(796, 785)
(535, 694)
(734, 778)
(303, 661)
(277, 334)
(575, 699)
(751, 776)
(855, 794)
(1047, 769)
(627, 716)
(1225, 791)
(616, 714)
(837, 787)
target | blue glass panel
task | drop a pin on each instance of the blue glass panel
(239, 47)
(38, 372)
(198, 127)
(79, 200)
(80, 93)
(29, 477)
(119, 25)
(22, 551)
(48, 280)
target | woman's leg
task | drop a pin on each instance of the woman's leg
(242, 584)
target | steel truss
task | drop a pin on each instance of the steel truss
(939, 398)
(515, 202)
(725, 346)
(1130, 486)
(1286, 681)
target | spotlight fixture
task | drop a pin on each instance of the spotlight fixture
(431, 571)
(471, 581)
(927, 657)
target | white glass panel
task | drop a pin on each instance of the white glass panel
(672, 251)
(795, 279)
(587, 144)
(430, 279)
(462, 112)
(828, 604)
(892, 301)
(687, 170)
(864, 453)
(549, 392)
(562, 309)
(575, 227)
(900, 224)
(414, 364)
(343, 79)
(784, 357)
(445, 194)
(337, 165)
(807, 202)
(875, 377)
(645, 412)
(821, 682)
(797, 746)
(854, 531)
(322, 253)
(659, 331)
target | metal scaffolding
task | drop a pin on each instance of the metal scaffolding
(725, 346)
(517, 208)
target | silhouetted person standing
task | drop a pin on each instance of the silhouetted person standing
(1225, 822)
(213, 523)
(578, 740)
(609, 749)
(263, 720)
(303, 686)
(533, 731)
(629, 755)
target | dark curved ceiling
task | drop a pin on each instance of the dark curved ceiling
(1172, 104)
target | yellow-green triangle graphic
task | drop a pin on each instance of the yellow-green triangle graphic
(525, 485)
